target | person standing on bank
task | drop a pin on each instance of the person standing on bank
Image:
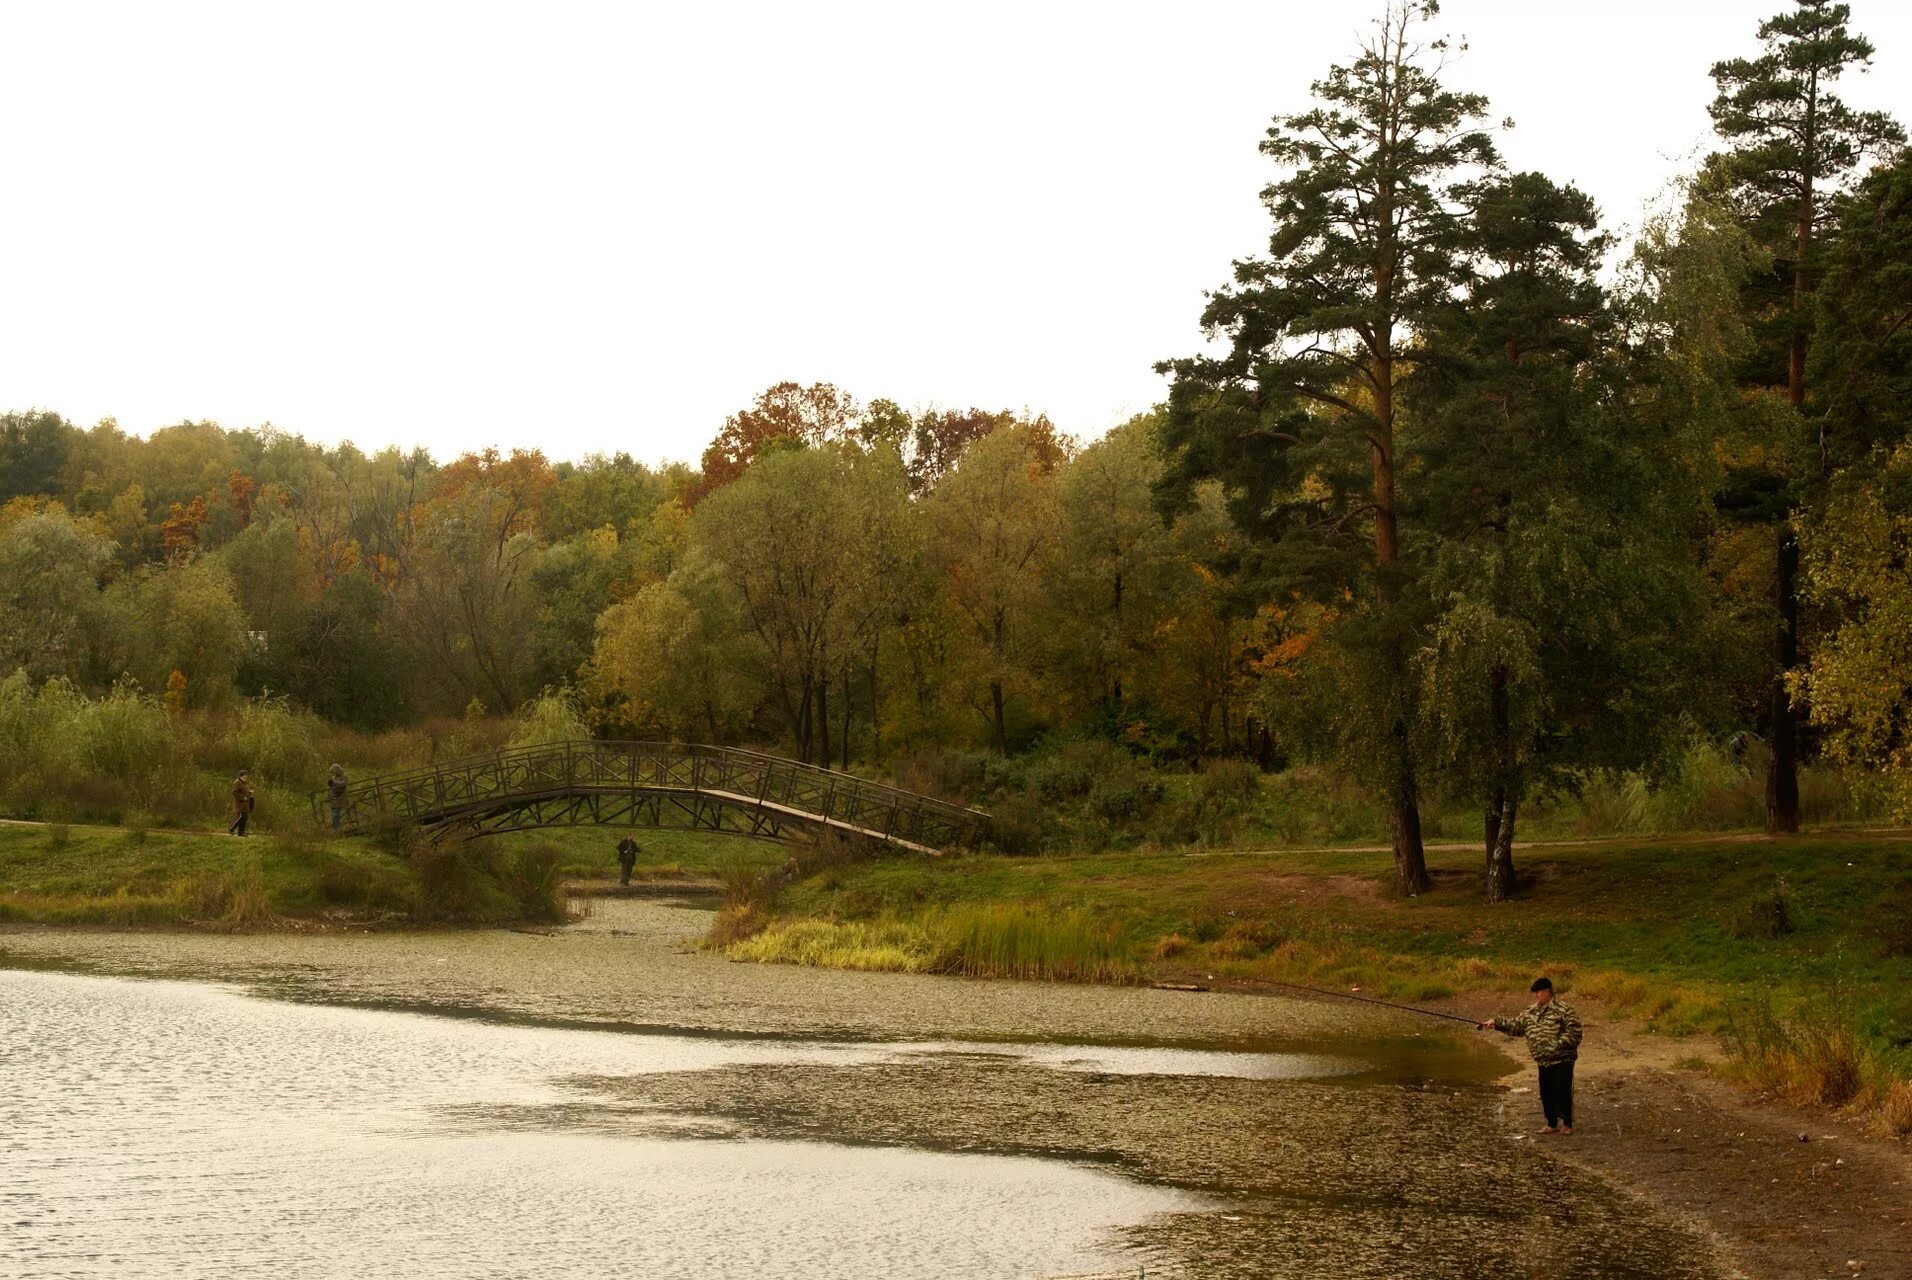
(242, 802)
(1552, 1031)
(335, 789)
(626, 859)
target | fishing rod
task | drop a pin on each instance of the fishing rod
(1385, 1004)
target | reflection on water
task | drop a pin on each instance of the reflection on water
(169, 1129)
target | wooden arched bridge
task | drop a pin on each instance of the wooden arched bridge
(590, 783)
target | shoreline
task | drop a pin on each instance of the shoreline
(1768, 1204)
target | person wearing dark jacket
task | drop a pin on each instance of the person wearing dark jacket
(626, 859)
(335, 789)
(1552, 1032)
(242, 802)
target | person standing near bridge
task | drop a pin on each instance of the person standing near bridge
(335, 789)
(626, 859)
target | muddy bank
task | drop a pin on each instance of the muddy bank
(634, 964)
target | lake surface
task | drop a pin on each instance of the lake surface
(604, 1102)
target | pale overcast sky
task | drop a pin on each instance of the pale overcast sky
(601, 227)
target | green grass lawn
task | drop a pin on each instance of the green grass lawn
(1677, 933)
(59, 874)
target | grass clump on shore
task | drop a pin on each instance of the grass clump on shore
(1000, 941)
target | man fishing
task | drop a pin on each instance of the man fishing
(1552, 1031)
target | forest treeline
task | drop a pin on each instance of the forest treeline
(1461, 495)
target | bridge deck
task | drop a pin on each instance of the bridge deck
(722, 789)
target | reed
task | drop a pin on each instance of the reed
(1016, 941)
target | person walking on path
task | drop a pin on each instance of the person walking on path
(626, 859)
(1552, 1032)
(335, 789)
(242, 802)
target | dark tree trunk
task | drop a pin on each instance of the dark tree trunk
(803, 726)
(995, 709)
(876, 727)
(1404, 817)
(1404, 823)
(1782, 774)
(844, 737)
(823, 720)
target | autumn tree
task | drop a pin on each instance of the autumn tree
(50, 567)
(1855, 553)
(1298, 417)
(994, 523)
(677, 655)
(462, 601)
(796, 538)
(787, 413)
(1111, 572)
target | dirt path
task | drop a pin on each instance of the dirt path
(1838, 1204)
(1577, 842)
(1728, 1163)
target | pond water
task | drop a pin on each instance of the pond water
(275, 1113)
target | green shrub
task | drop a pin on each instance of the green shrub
(553, 716)
(1018, 824)
(1767, 914)
(533, 878)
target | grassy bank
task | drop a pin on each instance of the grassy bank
(1798, 952)
(61, 874)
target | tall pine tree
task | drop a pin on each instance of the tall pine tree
(1299, 418)
(1792, 145)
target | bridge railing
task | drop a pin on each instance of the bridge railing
(803, 792)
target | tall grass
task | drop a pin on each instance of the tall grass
(1013, 941)
(977, 941)
(892, 946)
(1810, 1058)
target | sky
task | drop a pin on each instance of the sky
(599, 228)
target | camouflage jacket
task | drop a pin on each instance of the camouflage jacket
(1552, 1031)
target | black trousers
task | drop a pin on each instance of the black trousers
(238, 824)
(1556, 1093)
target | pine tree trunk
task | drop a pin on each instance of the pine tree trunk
(1782, 773)
(1404, 824)
(1404, 816)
